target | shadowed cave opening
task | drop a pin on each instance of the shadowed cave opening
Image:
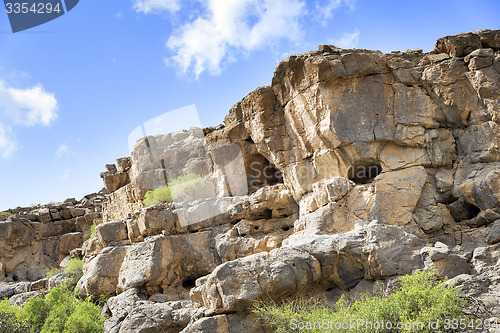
(260, 172)
(364, 171)
(189, 283)
(461, 210)
(472, 211)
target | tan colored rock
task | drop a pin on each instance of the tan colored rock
(445, 263)
(373, 251)
(393, 157)
(331, 219)
(479, 184)
(229, 323)
(69, 242)
(232, 286)
(151, 261)
(109, 232)
(153, 220)
(163, 264)
(248, 237)
(151, 317)
(101, 273)
(458, 45)
(403, 186)
(113, 182)
(159, 158)
(20, 299)
(323, 192)
(122, 202)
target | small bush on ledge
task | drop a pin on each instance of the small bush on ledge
(94, 224)
(420, 304)
(160, 195)
(5, 214)
(182, 186)
(52, 272)
(74, 269)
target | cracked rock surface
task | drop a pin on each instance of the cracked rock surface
(352, 167)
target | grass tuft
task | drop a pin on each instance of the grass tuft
(183, 186)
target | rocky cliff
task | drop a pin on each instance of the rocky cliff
(351, 167)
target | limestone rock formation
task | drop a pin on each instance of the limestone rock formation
(351, 167)
(35, 239)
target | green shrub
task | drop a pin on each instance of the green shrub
(61, 304)
(86, 318)
(58, 312)
(74, 268)
(419, 300)
(5, 214)
(6, 307)
(34, 312)
(162, 194)
(92, 231)
(186, 185)
(51, 272)
(95, 223)
(10, 324)
(185, 179)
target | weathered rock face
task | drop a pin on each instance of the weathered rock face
(35, 239)
(353, 160)
(351, 167)
(154, 252)
(338, 112)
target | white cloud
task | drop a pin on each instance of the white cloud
(156, 6)
(63, 149)
(23, 107)
(28, 107)
(8, 144)
(66, 174)
(325, 9)
(229, 27)
(347, 40)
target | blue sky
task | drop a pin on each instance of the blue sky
(73, 89)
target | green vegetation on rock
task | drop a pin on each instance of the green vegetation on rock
(185, 185)
(160, 195)
(420, 298)
(74, 269)
(95, 223)
(60, 311)
(51, 272)
(5, 214)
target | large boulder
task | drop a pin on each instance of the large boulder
(101, 273)
(234, 285)
(371, 252)
(230, 323)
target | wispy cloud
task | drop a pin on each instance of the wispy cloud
(64, 149)
(326, 9)
(8, 144)
(229, 28)
(23, 107)
(348, 40)
(156, 6)
(61, 150)
(66, 174)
